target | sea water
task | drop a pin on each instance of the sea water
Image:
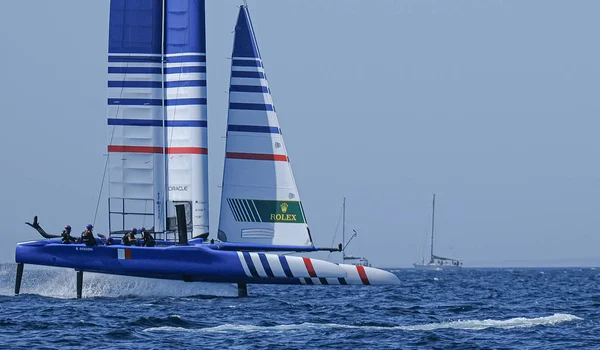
(533, 308)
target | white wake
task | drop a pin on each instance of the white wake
(61, 283)
(518, 322)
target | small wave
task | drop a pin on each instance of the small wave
(171, 321)
(169, 329)
(461, 308)
(518, 322)
(5, 322)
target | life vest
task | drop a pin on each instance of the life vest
(149, 240)
(66, 237)
(88, 238)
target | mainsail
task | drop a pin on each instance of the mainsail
(157, 114)
(186, 124)
(260, 201)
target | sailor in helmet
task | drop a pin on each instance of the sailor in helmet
(129, 238)
(66, 235)
(87, 236)
(147, 237)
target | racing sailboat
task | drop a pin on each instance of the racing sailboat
(437, 262)
(157, 166)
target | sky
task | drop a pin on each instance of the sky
(492, 105)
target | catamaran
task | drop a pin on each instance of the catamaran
(158, 168)
(437, 262)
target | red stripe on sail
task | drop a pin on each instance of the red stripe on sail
(159, 150)
(258, 156)
(363, 275)
(187, 150)
(309, 267)
(135, 149)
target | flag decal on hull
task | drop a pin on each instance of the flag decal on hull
(124, 253)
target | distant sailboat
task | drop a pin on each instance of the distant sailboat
(350, 259)
(437, 262)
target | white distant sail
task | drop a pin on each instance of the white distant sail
(437, 262)
(157, 114)
(260, 201)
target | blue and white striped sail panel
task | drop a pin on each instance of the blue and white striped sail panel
(260, 202)
(135, 112)
(186, 122)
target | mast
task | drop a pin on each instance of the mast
(162, 216)
(344, 228)
(432, 227)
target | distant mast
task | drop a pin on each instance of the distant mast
(432, 228)
(344, 229)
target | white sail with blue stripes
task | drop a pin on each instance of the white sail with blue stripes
(186, 123)
(157, 114)
(260, 201)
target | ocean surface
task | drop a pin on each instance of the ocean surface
(534, 308)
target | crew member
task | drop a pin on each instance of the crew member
(147, 237)
(87, 236)
(129, 237)
(66, 235)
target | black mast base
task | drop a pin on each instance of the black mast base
(79, 283)
(242, 289)
(19, 278)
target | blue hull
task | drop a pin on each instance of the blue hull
(200, 263)
(192, 263)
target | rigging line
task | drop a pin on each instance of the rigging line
(112, 136)
(100, 193)
(144, 224)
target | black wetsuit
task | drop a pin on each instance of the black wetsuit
(87, 237)
(129, 239)
(66, 237)
(148, 239)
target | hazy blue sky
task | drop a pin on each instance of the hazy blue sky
(493, 105)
